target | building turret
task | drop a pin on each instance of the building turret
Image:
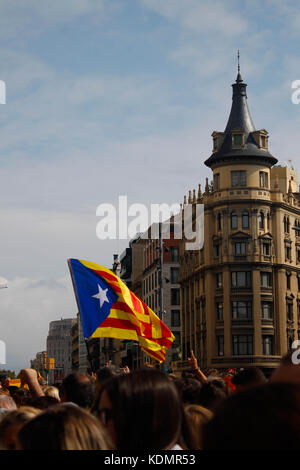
(240, 142)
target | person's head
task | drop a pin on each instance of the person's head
(249, 377)
(21, 396)
(7, 402)
(105, 373)
(140, 410)
(78, 388)
(12, 423)
(44, 402)
(211, 372)
(188, 389)
(64, 427)
(266, 417)
(3, 413)
(51, 391)
(213, 393)
(4, 380)
(196, 418)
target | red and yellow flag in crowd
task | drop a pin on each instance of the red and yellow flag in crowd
(109, 309)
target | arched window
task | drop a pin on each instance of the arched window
(261, 221)
(233, 220)
(245, 219)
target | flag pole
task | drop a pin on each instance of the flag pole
(161, 277)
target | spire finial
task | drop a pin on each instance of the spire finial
(239, 78)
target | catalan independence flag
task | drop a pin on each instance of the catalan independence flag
(108, 309)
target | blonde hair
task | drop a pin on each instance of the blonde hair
(51, 391)
(63, 427)
(197, 417)
(21, 416)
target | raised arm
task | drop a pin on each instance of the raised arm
(195, 368)
(29, 377)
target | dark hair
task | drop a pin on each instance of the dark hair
(266, 417)
(250, 376)
(12, 389)
(107, 372)
(189, 390)
(146, 410)
(64, 427)
(3, 377)
(44, 402)
(21, 396)
(80, 389)
(213, 393)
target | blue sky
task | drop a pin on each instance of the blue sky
(119, 97)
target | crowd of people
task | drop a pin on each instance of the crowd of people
(149, 410)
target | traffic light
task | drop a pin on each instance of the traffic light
(51, 363)
(44, 360)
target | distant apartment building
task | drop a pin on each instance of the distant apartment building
(38, 363)
(59, 347)
(79, 351)
(161, 288)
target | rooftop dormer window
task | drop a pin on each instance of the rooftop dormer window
(238, 139)
(261, 138)
(263, 141)
(218, 138)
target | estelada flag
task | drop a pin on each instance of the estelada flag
(108, 309)
(39, 376)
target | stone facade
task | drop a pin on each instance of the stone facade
(240, 293)
(59, 347)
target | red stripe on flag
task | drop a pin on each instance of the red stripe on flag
(109, 277)
(165, 330)
(119, 305)
(118, 324)
(159, 356)
(136, 303)
(147, 327)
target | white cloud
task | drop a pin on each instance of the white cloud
(27, 307)
(201, 17)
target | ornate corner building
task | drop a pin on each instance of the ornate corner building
(240, 294)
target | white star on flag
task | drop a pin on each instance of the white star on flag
(102, 296)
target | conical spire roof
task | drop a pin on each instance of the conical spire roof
(240, 120)
(239, 117)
